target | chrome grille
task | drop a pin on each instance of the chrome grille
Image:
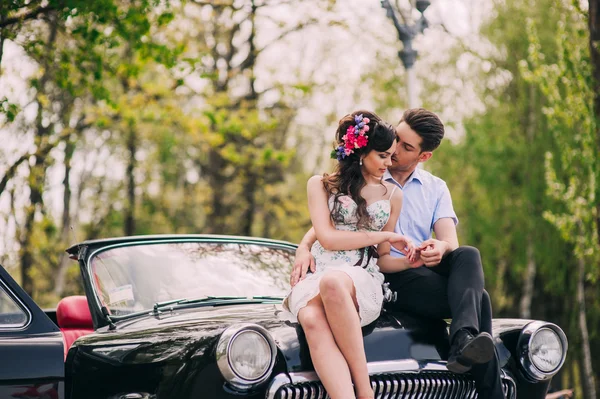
(423, 385)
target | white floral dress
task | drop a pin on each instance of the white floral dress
(361, 268)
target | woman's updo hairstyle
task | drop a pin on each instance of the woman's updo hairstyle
(347, 178)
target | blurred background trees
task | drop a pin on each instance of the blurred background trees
(145, 116)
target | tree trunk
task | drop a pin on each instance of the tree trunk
(2, 17)
(586, 361)
(594, 26)
(529, 283)
(37, 174)
(249, 195)
(59, 284)
(130, 208)
(215, 220)
(528, 286)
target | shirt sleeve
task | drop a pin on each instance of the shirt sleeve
(444, 208)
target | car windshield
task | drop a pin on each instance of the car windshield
(134, 277)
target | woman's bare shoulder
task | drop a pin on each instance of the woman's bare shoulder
(315, 178)
(315, 183)
(395, 193)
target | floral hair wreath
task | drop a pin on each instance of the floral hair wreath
(355, 137)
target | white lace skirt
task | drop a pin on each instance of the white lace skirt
(369, 292)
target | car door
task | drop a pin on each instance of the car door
(31, 347)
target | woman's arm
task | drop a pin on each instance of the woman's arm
(308, 240)
(304, 259)
(329, 237)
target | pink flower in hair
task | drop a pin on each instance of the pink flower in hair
(361, 141)
(354, 138)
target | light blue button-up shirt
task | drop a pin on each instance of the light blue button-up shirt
(426, 199)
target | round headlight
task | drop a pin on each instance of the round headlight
(246, 355)
(545, 350)
(249, 355)
(542, 348)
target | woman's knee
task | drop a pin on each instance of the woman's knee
(335, 285)
(312, 318)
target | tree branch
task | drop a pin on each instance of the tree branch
(42, 151)
(20, 18)
(288, 32)
(465, 47)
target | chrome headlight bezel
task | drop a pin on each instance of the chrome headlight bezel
(524, 349)
(227, 338)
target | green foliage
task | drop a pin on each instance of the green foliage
(8, 109)
(572, 169)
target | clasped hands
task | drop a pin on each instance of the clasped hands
(429, 253)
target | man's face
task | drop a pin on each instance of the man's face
(408, 151)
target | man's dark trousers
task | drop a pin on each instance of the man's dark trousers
(452, 289)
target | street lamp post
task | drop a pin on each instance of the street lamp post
(406, 34)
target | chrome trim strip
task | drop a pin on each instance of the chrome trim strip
(393, 366)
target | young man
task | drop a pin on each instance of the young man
(447, 280)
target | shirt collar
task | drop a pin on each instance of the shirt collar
(416, 175)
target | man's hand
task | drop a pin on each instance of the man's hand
(432, 251)
(304, 260)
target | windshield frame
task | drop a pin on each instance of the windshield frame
(108, 319)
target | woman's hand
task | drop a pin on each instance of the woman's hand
(404, 245)
(304, 261)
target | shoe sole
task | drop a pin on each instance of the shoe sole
(479, 350)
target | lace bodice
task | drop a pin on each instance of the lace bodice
(379, 211)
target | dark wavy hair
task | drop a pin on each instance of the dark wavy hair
(427, 125)
(347, 178)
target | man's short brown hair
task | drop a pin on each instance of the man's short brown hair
(427, 125)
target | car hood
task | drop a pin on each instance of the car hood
(194, 332)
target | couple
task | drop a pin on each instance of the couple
(364, 225)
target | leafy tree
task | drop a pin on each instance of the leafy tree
(572, 169)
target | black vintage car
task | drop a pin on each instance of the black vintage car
(200, 317)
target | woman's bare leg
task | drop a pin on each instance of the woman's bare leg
(339, 300)
(329, 362)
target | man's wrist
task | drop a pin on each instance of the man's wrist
(447, 249)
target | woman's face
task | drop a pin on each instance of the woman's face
(375, 163)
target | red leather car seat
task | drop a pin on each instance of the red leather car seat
(74, 319)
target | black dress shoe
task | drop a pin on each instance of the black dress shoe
(468, 350)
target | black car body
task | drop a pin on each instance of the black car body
(200, 316)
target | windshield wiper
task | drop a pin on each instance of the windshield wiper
(170, 305)
(269, 297)
(230, 298)
(161, 305)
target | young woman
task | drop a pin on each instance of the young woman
(351, 210)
